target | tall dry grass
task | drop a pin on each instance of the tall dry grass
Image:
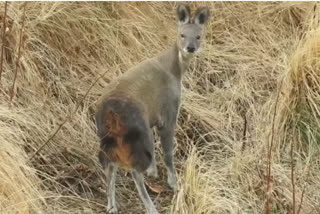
(253, 54)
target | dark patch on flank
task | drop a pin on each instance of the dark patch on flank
(124, 133)
(133, 134)
(114, 124)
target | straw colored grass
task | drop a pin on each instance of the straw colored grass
(253, 53)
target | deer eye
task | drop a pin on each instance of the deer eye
(198, 37)
(182, 35)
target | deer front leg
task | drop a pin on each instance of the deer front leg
(166, 137)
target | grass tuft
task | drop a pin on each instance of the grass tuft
(69, 51)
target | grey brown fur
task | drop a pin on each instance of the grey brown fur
(146, 96)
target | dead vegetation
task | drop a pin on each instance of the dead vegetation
(65, 53)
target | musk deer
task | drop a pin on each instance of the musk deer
(146, 96)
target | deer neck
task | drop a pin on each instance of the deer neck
(184, 60)
(175, 61)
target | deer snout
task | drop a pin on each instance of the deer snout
(191, 49)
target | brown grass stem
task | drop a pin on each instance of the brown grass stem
(270, 146)
(244, 133)
(293, 179)
(19, 53)
(3, 37)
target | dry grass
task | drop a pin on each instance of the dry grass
(250, 50)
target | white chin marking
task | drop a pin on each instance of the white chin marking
(180, 57)
(185, 51)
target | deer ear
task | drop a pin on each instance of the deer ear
(202, 15)
(183, 14)
(114, 125)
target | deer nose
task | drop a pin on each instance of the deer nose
(191, 49)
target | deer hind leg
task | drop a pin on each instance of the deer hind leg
(110, 172)
(139, 181)
(152, 170)
(167, 137)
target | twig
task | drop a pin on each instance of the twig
(3, 37)
(270, 145)
(301, 200)
(244, 136)
(67, 118)
(19, 53)
(292, 180)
